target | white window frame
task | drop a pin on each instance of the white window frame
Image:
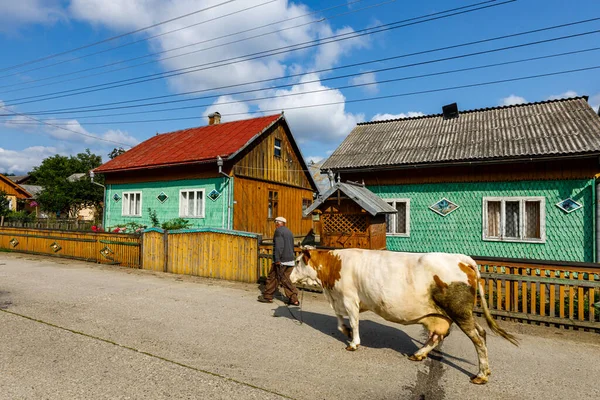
(126, 204)
(522, 222)
(181, 215)
(393, 217)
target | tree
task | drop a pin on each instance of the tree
(116, 152)
(4, 210)
(60, 195)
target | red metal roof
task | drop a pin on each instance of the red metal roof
(192, 145)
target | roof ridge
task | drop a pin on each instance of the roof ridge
(219, 124)
(585, 97)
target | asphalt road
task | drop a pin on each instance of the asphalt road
(75, 330)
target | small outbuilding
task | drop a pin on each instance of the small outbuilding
(351, 216)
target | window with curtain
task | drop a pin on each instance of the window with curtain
(398, 224)
(191, 203)
(515, 219)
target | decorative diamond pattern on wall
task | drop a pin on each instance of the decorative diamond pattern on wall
(214, 194)
(14, 242)
(569, 237)
(443, 207)
(107, 252)
(116, 197)
(568, 205)
(162, 197)
(55, 247)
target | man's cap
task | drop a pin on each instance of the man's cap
(281, 219)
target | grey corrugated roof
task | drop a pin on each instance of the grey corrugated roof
(34, 190)
(556, 127)
(368, 200)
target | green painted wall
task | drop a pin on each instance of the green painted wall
(213, 216)
(569, 237)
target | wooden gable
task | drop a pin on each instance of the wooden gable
(261, 162)
(13, 189)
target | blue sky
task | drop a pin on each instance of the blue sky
(32, 29)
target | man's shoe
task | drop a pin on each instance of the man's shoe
(296, 303)
(262, 299)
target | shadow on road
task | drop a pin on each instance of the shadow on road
(372, 335)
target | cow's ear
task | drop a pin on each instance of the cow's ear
(305, 256)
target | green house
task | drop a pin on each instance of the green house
(236, 175)
(514, 182)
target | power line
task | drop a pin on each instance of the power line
(92, 109)
(114, 37)
(351, 75)
(181, 47)
(377, 97)
(187, 70)
(62, 127)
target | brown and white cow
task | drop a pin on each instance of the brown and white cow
(433, 289)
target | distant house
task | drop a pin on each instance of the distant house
(15, 192)
(238, 175)
(514, 182)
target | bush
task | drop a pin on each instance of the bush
(177, 223)
(153, 218)
(20, 216)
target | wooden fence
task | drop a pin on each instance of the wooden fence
(210, 253)
(105, 248)
(564, 294)
(47, 223)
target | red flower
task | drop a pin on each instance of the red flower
(95, 228)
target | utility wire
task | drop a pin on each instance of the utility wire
(102, 106)
(285, 49)
(182, 47)
(340, 77)
(61, 127)
(368, 98)
(114, 37)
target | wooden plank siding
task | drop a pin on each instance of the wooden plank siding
(251, 198)
(584, 168)
(260, 161)
(105, 248)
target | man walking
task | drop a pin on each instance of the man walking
(283, 263)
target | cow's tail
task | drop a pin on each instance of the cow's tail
(486, 311)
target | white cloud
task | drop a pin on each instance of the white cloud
(21, 162)
(71, 131)
(329, 54)
(368, 79)
(384, 117)
(565, 95)
(324, 123)
(14, 14)
(512, 100)
(229, 112)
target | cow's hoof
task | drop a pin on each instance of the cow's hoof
(415, 357)
(350, 348)
(479, 380)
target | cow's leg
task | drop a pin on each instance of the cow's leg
(345, 329)
(438, 328)
(353, 311)
(469, 327)
(457, 300)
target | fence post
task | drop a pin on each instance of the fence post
(166, 243)
(2, 220)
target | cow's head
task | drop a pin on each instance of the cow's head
(303, 272)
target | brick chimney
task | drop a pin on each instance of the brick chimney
(214, 118)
